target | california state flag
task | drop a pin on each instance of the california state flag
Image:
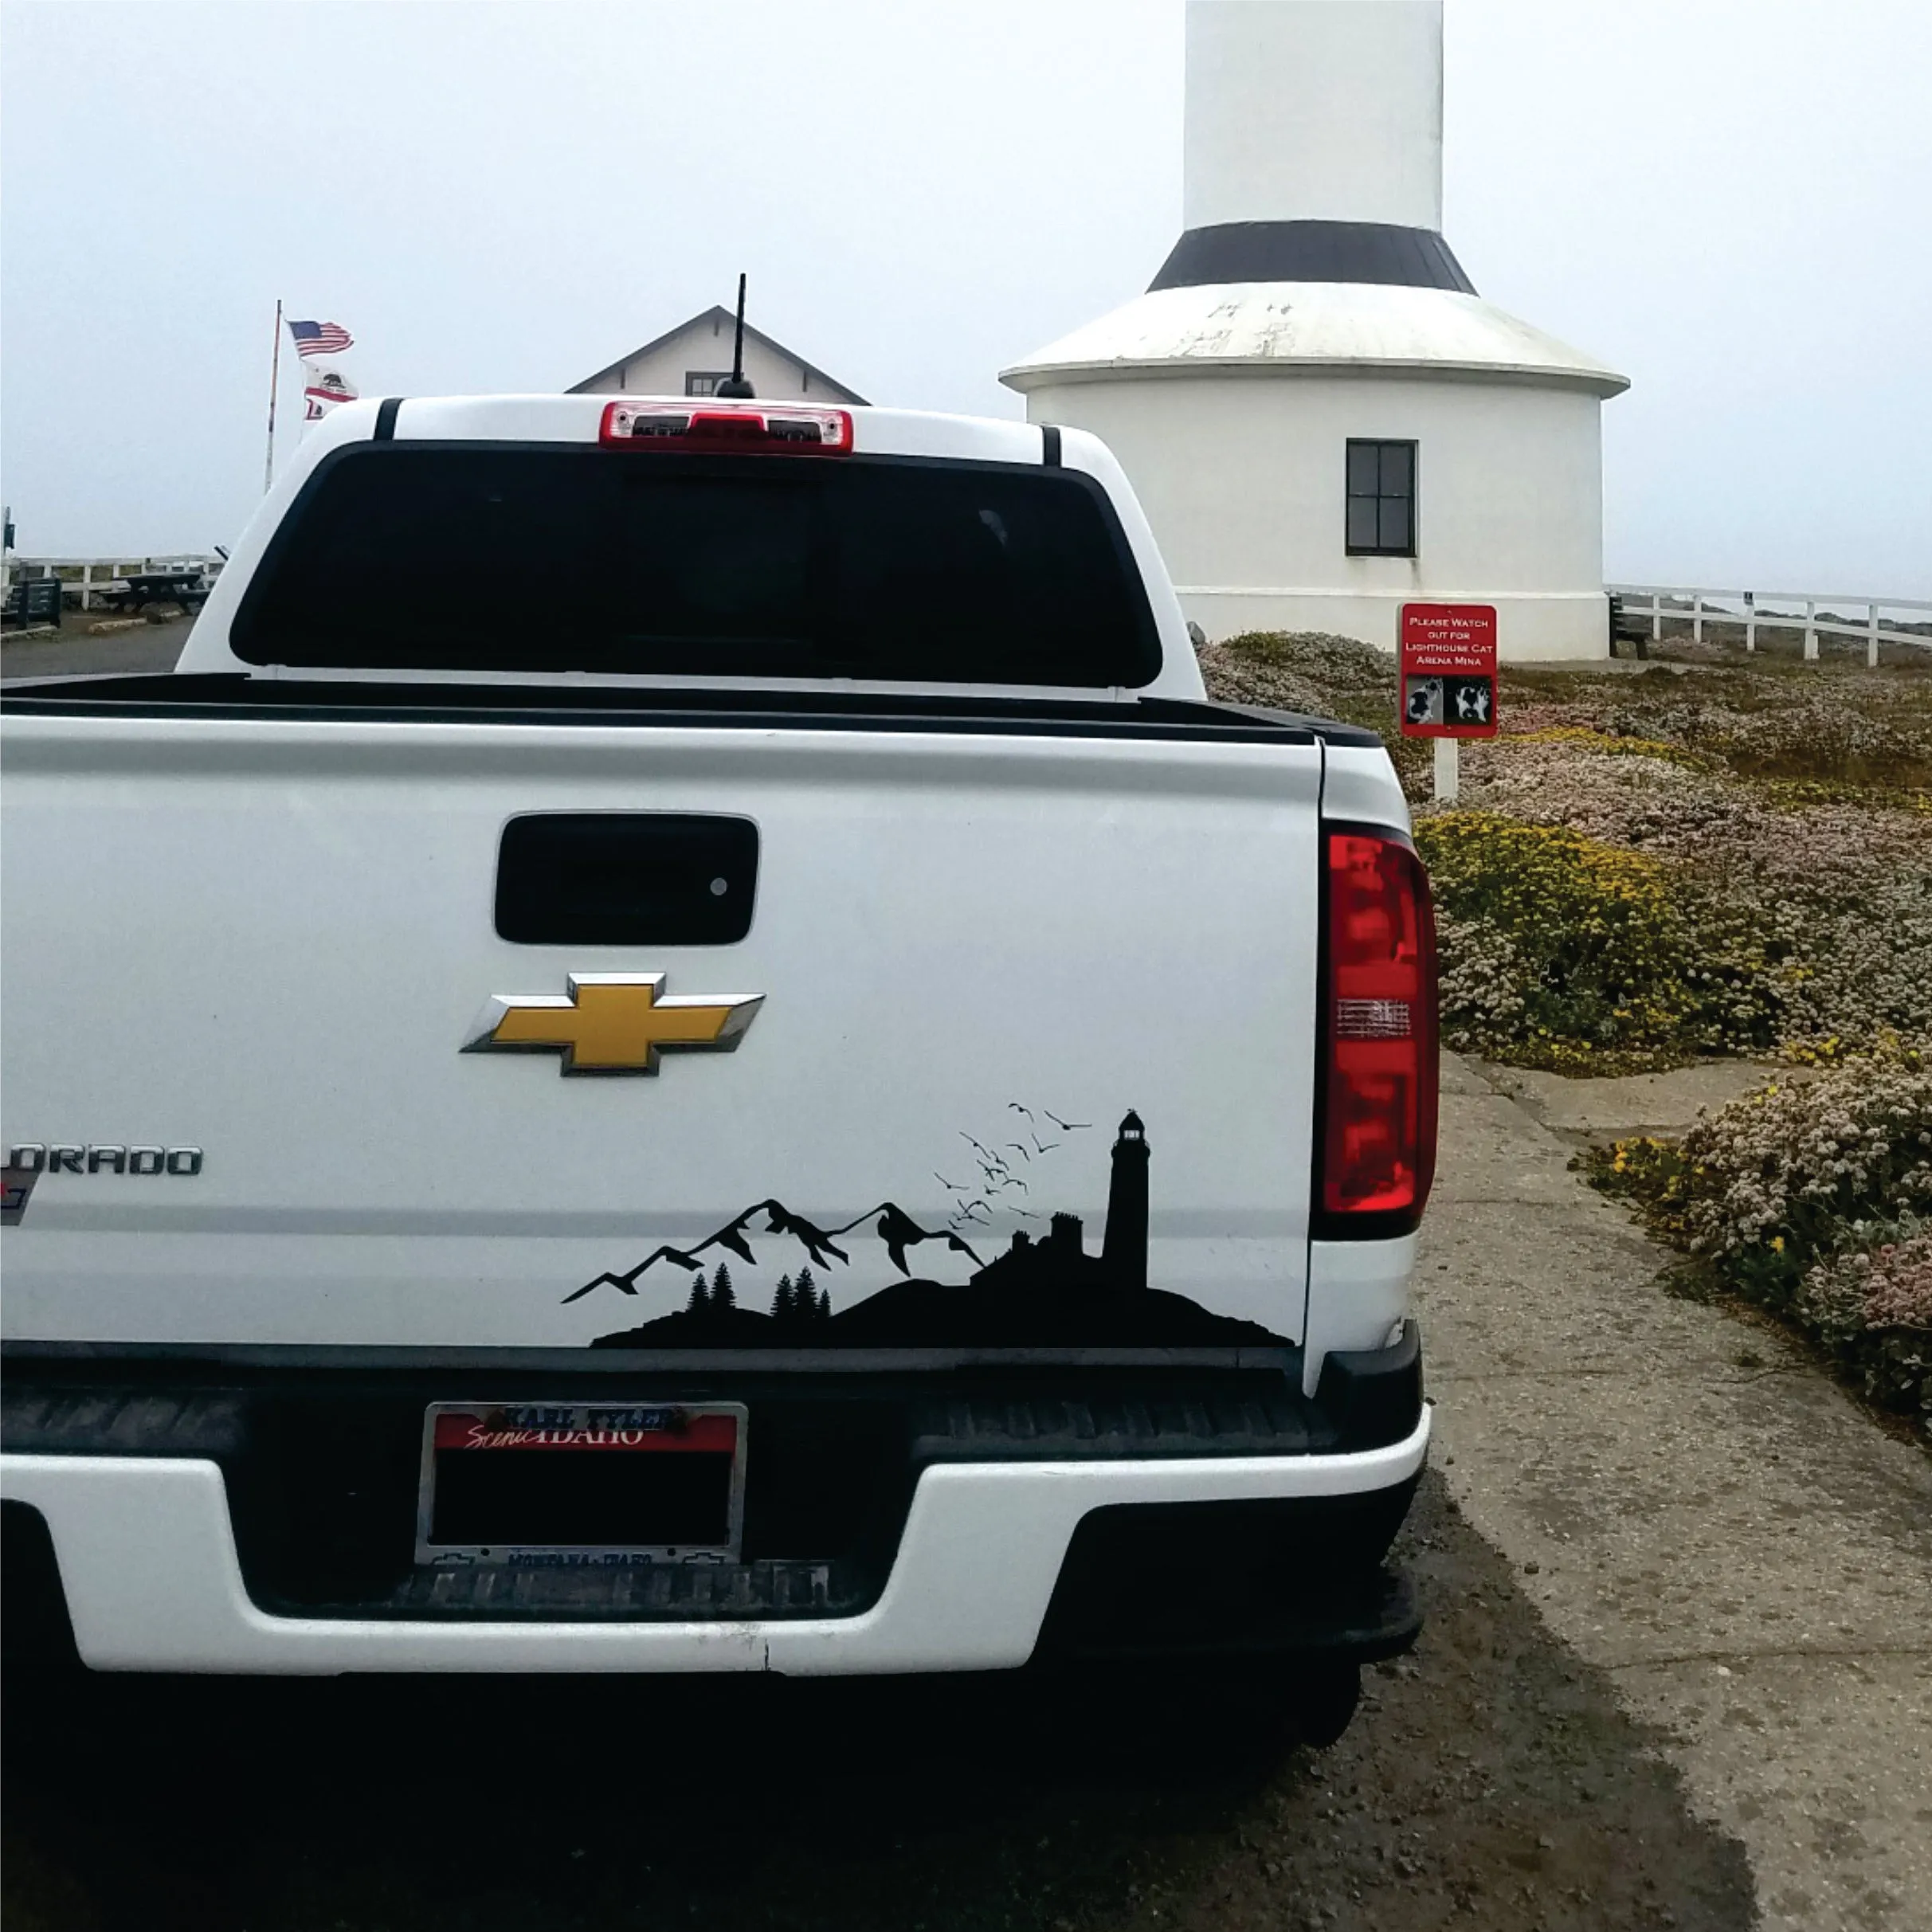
(324, 387)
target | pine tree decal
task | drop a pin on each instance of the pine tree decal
(700, 1300)
(804, 1297)
(781, 1303)
(721, 1295)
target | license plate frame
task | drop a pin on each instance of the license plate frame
(565, 1434)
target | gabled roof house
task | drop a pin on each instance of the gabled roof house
(694, 357)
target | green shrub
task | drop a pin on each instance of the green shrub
(1814, 1201)
(1562, 951)
(1324, 676)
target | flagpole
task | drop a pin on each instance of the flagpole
(275, 374)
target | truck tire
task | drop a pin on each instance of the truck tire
(37, 1638)
(1220, 1711)
(1322, 1701)
(1268, 1707)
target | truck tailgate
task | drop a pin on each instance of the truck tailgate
(1030, 1065)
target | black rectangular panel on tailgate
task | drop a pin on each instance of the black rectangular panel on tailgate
(626, 879)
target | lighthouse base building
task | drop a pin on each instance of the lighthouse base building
(1323, 418)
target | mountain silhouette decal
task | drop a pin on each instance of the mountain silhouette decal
(1043, 1292)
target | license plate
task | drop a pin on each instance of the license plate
(551, 1486)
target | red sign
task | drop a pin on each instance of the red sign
(1448, 671)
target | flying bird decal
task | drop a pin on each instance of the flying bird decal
(987, 1158)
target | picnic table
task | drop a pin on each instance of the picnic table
(34, 601)
(1626, 629)
(185, 587)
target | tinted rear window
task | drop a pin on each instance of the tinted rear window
(533, 558)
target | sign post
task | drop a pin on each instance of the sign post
(1448, 673)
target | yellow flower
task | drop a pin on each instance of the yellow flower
(1778, 1244)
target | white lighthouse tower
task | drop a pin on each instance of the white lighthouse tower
(1321, 417)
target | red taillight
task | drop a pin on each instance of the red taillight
(1378, 1037)
(762, 429)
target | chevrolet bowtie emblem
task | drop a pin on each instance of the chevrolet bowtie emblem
(611, 1023)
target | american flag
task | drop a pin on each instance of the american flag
(320, 338)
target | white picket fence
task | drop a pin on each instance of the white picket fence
(1816, 614)
(90, 576)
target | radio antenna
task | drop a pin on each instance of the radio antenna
(735, 387)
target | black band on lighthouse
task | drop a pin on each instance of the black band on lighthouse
(1312, 251)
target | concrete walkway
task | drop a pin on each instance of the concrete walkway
(1666, 1103)
(1694, 1509)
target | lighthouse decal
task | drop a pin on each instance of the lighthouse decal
(1043, 1290)
(1125, 1254)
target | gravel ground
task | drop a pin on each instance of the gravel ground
(76, 650)
(1489, 1781)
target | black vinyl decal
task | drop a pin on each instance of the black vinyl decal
(1042, 1291)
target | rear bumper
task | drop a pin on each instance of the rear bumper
(148, 1564)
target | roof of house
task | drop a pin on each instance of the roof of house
(718, 313)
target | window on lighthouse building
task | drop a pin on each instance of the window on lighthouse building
(1381, 499)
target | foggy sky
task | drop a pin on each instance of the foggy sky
(1729, 200)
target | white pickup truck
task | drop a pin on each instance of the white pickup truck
(681, 1043)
